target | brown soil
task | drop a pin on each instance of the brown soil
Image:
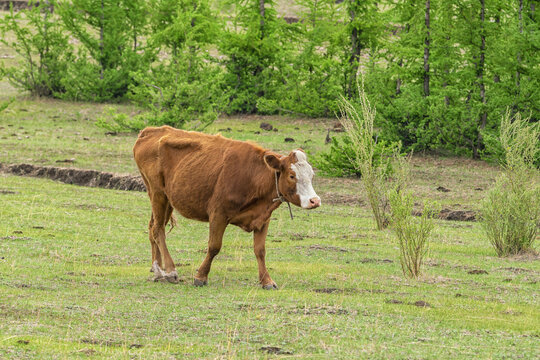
(370, 260)
(455, 215)
(328, 290)
(17, 4)
(421, 303)
(325, 248)
(477, 272)
(275, 350)
(74, 176)
(7, 192)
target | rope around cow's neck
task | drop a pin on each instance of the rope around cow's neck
(281, 198)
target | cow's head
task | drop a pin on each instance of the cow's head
(295, 176)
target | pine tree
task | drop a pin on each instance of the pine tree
(108, 32)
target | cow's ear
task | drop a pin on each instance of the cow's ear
(273, 162)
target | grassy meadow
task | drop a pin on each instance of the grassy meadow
(74, 263)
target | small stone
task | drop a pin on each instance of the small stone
(266, 126)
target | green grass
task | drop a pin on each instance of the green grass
(74, 262)
(74, 282)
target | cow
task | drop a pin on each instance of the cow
(221, 181)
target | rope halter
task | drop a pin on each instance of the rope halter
(280, 197)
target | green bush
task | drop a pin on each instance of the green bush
(412, 232)
(338, 161)
(185, 89)
(116, 122)
(510, 213)
(43, 45)
(365, 156)
(111, 34)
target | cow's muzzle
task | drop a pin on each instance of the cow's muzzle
(314, 202)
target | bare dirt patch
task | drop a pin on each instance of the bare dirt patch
(378, 261)
(325, 248)
(100, 342)
(321, 310)
(82, 177)
(7, 192)
(17, 5)
(477, 272)
(341, 199)
(421, 303)
(328, 290)
(275, 350)
(454, 215)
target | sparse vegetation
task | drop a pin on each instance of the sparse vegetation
(511, 209)
(412, 232)
(74, 261)
(358, 120)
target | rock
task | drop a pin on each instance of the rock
(266, 126)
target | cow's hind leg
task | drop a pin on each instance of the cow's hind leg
(163, 266)
(215, 238)
(156, 255)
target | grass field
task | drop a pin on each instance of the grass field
(74, 263)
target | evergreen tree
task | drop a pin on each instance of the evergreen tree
(186, 83)
(109, 35)
(42, 44)
(255, 47)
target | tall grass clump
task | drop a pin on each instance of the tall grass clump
(412, 232)
(365, 157)
(510, 212)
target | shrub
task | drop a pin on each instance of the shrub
(111, 47)
(4, 105)
(358, 123)
(116, 122)
(42, 44)
(510, 213)
(186, 86)
(412, 232)
(337, 162)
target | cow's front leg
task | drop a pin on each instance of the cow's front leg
(259, 247)
(215, 238)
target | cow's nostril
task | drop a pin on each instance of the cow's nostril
(314, 202)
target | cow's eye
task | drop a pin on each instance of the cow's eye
(291, 177)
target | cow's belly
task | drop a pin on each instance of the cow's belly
(189, 193)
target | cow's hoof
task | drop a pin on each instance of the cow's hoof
(270, 287)
(198, 282)
(172, 277)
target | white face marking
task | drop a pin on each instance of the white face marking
(304, 174)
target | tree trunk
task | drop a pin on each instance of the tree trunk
(398, 81)
(259, 68)
(101, 42)
(356, 49)
(518, 74)
(261, 13)
(480, 77)
(426, 51)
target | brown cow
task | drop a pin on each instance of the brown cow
(219, 180)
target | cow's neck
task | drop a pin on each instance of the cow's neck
(258, 213)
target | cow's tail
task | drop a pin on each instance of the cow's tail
(172, 221)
